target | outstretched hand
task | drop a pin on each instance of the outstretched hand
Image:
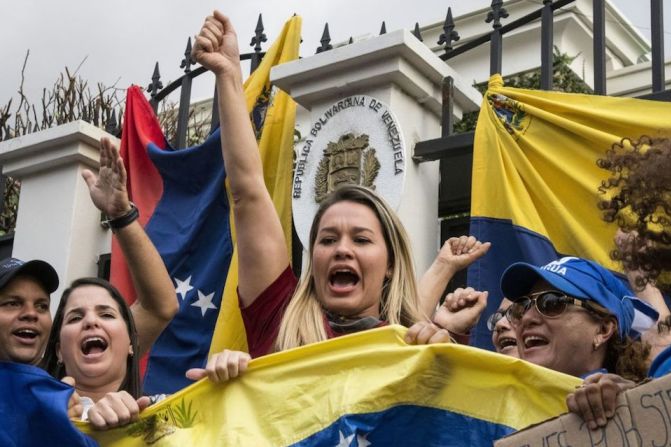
(461, 310)
(108, 188)
(216, 46)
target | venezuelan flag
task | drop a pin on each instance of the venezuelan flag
(535, 179)
(34, 409)
(365, 389)
(188, 217)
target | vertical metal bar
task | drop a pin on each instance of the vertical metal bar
(254, 62)
(215, 111)
(296, 251)
(448, 107)
(657, 37)
(547, 30)
(599, 47)
(3, 191)
(496, 52)
(183, 114)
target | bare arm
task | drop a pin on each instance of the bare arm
(156, 301)
(457, 253)
(262, 253)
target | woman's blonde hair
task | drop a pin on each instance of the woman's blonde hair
(303, 320)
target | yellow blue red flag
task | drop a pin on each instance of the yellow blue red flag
(273, 115)
(365, 389)
(535, 178)
(186, 213)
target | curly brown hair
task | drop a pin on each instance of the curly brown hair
(627, 358)
(637, 196)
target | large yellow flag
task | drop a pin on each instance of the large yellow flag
(273, 115)
(535, 177)
(365, 389)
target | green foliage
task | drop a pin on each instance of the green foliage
(563, 79)
(184, 415)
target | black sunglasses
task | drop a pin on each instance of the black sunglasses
(548, 303)
(495, 318)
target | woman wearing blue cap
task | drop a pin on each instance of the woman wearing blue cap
(574, 316)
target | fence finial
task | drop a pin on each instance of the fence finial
(111, 125)
(156, 83)
(188, 61)
(497, 13)
(259, 35)
(325, 40)
(416, 32)
(449, 34)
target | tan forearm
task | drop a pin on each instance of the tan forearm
(242, 160)
(262, 252)
(152, 283)
(433, 284)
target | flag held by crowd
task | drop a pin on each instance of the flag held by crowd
(186, 213)
(535, 177)
(364, 389)
(33, 409)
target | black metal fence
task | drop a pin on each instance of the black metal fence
(453, 150)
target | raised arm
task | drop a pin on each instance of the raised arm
(262, 253)
(156, 302)
(456, 254)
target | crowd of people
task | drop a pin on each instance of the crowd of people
(571, 315)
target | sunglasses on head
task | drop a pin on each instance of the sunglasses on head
(548, 303)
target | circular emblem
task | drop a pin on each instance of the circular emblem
(511, 114)
(356, 140)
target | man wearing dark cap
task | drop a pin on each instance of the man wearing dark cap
(25, 320)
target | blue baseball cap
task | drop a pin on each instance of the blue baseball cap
(41, 271)
(584, 280)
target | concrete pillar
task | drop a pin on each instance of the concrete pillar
(403, 74)
(56, 220)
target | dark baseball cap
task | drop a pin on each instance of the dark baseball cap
(41, 271)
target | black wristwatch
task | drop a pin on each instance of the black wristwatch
(123, 221)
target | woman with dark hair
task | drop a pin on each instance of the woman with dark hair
(121, 371)
(575, 317)
(96, 338)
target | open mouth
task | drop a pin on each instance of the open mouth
(343, 279)
(506, 343)
(26, 334)
(93, 345)
(534, 341)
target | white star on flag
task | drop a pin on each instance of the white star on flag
(183, 287)
(344, 441)
(361, 441)
(204, 302)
